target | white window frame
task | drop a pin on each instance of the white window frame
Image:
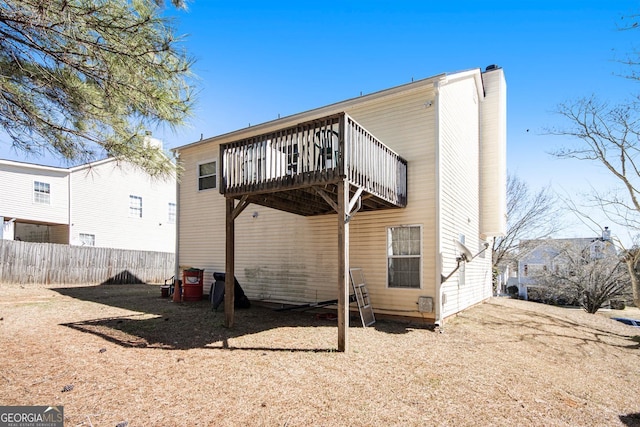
(391, 256)
(135, 206)
(41, 193)
(214, 175)
(172, 213)
(87, 239)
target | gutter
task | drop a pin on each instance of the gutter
(176, 268)
(69, 209)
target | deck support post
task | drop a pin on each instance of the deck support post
(229, 272)
(232, 212)
(343, 266)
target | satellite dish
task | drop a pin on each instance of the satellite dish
(465, 253)
(465, 256)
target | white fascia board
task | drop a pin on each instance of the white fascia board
(32, 166)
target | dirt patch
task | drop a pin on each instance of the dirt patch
(133, 356)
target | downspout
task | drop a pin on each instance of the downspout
(176, 268)
(69, 206)
(438, 253)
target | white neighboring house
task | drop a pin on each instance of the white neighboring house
(106, 203)
(545, 255)
(423, 164)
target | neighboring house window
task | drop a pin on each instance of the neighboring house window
(87, 239)
(534, 269)
(41, 192)
(207, 176)
(172, 213)
(596, 251)
(404, 256)
(135, 206)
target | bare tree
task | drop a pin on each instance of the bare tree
(583, 275)
(609, 136)
(529, 216)
(630, 60)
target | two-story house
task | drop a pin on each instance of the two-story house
(386, 182)
(104, 204)
(550, 255)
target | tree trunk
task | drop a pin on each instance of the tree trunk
(634, 274)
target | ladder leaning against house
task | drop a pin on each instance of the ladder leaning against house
(362, 297)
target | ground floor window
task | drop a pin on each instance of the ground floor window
(87, 239)
(404, 256)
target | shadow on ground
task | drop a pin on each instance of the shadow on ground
(535, 325)
(630, 420)
(156, 322)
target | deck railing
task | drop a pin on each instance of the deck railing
(373, 166)
(320, 151)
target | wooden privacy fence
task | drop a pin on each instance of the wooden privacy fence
(49, 263)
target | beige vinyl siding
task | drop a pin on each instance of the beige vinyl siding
(407, 125)
(459, 173)
(17, 189)
(271, 246)
(100, 206)
(279, 256)
(201, 216)
(286, 257)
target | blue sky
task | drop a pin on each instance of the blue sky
(258, 60)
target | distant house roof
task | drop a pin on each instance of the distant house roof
(530, 246)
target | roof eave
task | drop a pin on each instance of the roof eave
(316, 112)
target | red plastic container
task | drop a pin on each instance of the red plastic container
(192, 280)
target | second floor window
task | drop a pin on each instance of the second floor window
(207, 176)
(135, 206)
(41, 192)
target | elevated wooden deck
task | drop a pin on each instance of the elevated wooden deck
(298, 169)
(329, 165)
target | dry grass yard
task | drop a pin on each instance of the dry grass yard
(132, 356)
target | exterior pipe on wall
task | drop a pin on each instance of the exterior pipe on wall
(176, 274)
(438, 252)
